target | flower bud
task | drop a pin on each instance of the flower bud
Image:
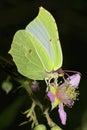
(56, 128)
(7, 86)
(40, 127)
(35, 86)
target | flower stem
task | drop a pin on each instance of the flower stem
(49, 120)
(32, 115)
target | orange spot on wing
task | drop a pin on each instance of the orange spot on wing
(30, 51)
(50, 40)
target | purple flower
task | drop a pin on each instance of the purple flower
(64, 94)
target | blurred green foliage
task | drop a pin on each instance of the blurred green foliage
(8, 115)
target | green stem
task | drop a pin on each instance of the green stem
(32, 115)
(49, 120)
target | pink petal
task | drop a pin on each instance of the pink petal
(74, 80)
(51, 96)
(62, 114)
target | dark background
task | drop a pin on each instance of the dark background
(71, 18)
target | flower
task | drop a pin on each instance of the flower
(64, 94)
